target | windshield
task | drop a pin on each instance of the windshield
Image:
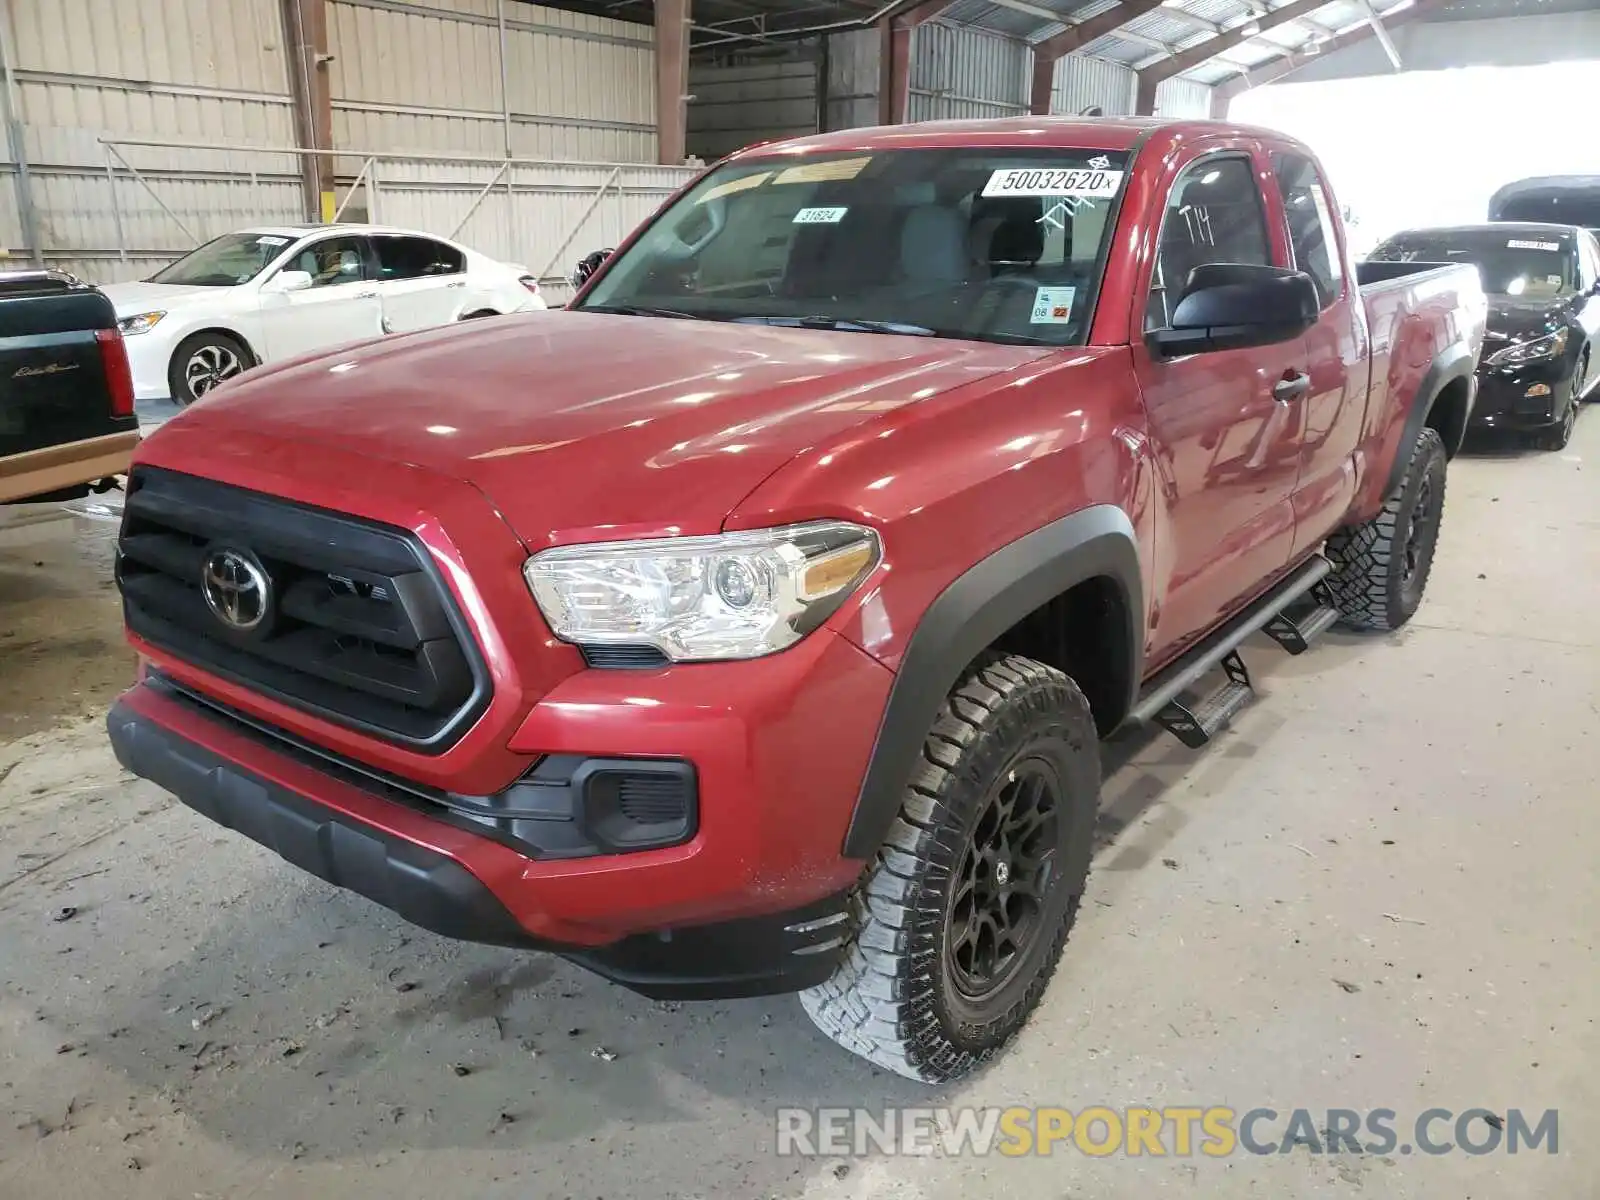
(226, 261)
(990, 245)
(1511, 262)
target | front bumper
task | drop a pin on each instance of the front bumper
(753, 903)
(1521, 398)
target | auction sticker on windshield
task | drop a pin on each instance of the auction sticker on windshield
(1032, 181)
(1053, 305)
(272, 241)
(1519, 244)
(820, 216)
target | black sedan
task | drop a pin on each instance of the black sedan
(1541, 356)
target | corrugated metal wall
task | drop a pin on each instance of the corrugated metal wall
(958, 72)
(546, 219)
(424, 76)
(1082, 82)
(1183, 98)
(190, 70)
(853, 79)
(408, 75)
(736, 104)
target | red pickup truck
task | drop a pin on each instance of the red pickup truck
(751, 625)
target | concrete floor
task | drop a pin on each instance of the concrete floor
(1412, 816)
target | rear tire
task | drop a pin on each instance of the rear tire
(1381, 567)
(966, 909)
(203, 361)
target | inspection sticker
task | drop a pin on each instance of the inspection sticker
(1029, 181)
(820, 216)
(272, 241)
(1515, 244)
(1053, 305)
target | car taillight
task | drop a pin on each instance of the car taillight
(119, 375)
(529, 282)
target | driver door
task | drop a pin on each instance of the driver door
(1226, 443)
(340, 306)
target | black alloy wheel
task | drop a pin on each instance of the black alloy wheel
(1005, 876)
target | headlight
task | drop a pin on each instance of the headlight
(140, 323)
(736, 595)
(1525, 352)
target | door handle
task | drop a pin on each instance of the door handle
(366, 295)
(1291, 387)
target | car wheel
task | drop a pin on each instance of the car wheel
(965, 910)
(473, 316)
(203, 361)
(1381, 568)
(1559, 434)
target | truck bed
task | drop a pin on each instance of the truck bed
(1379, 276)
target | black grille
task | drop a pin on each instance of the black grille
(653, 799)
(358, 627)
(623, 658)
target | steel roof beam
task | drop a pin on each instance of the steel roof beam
(1275, 69)
(1154, 75)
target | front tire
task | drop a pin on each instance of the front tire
(1559, 435)
(1381, 567)
(966, 909)
(203, 361)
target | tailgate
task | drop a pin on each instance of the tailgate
(53, 383)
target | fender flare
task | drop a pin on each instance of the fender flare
(974, 610)
(1455, 361)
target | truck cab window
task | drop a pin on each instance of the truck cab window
(1305, 202)
(1214, 215)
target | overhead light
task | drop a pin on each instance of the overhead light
(1250, 28)
(1314, 46)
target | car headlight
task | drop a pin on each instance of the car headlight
(734, 595)
(139, 323)
(1524, 352)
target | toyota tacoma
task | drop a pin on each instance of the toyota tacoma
(751, 626)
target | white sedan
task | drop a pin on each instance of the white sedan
(266, 294)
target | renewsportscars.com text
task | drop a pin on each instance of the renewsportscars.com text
(1176, 1131)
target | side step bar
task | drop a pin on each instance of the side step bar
(1196, 725)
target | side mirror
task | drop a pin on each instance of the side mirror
(289, 281)
(588, 265)
(1228, 306)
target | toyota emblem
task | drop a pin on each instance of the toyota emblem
(237, 590)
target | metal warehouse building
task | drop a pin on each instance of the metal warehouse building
(537, 132)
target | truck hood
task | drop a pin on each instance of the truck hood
(134, 298)
(580, 425)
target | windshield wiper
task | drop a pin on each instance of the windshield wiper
(845, 324)
(643, 310)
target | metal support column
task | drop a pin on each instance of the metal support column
(895, 47)
(505, 90)
(1042, 94)
(16, 142)
(672, 81)
(305, 26)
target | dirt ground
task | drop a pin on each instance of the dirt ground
(1380, 890)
